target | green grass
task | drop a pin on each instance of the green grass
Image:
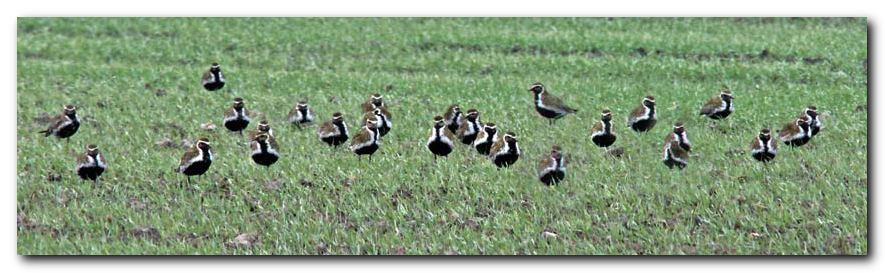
(811, 200)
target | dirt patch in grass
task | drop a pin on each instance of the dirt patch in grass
(244, 240)
(25, 224)
(145, 232)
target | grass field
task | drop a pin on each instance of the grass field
(136, 82)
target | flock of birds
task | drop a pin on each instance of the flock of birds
(453, 126)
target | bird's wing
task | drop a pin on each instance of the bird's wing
(555, 102)
(191, 153)
(206, 77)
(597, 127)
(711, 105)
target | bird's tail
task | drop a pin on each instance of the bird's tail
(45, 133)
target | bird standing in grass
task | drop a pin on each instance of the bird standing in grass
(333, 132)
(263, 128)
(381, 115)
(365, 142)
(441, 140)
(602, 134)
(265, 151)
(301, 114)
(797, 133)
(237, 117)
(486, 138)
(196, 160)
(674, 155)
(213, 79)
(680, 136)
(548, 105)
(814, 123)
(505, 152)
(469, 127)
(453, 117)
(763, 148)
(90, 165)
(718, 107)
(644, 117)
(551, 170)
(375, 101)
(63, 125)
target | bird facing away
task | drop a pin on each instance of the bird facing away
(680, 136)
(763, 148)
(90, 165)
(265, 151)
(197, 159)
(375, 101)
(551, 170)
(365, 142)
(384, 125)
(333, 132)
(718, 107)
(301, 114)
(469, 127)
(453, 117)
(814, 122)
(441, 140)
(644, 117)
(674, 155)
(602, 134)
(263, 128)
(796, 133)
(505, 152)
(237, 117)
(485, 138)
(213, 79)
(65, 124)
(548, 105)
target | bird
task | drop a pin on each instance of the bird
(365, 142)
(644, 117)
(814, 122)
(551, 170)
(485, 138)
(469, 127)
(91, 164)
(548, 105)
(265, 151)
(301, 114)
(263, 128)
(680, 136)
(373, 102)
(718, 107)
(674, 155)
(763, 148)
(196, 160)
(65, 124)
(213, 79)
(384, 123)
(453, 117)
(505, 152)
(333, 132)
(797, 133)
(236, 118)
(441, 140)
(602, 134)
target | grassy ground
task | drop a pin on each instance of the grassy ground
(136, 82)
